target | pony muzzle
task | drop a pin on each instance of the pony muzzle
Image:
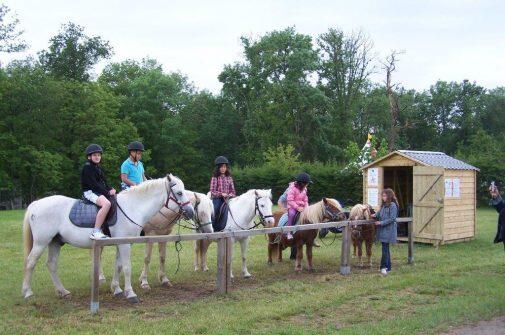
(188, 211)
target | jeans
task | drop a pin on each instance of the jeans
(386, 257)
(220, 215)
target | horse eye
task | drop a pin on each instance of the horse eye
(262, 205)
(179, 193)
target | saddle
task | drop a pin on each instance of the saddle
(284, 219)
(83, 214)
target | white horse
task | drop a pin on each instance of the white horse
(163, 223)
(46, 223)
(242, 210)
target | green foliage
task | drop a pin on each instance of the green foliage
(10, 35)
(485, 152)
(72, 54)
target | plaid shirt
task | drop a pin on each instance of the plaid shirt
(220, 185)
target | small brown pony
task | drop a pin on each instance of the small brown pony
(362, 233)
(325, 210)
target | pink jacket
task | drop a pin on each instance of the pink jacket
(297, 199)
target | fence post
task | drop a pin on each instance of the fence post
(345, 267)
(95, 285)
(411, 242)
(224, 250)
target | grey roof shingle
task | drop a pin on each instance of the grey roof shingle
(440, 159)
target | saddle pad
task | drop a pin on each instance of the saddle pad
(83, 214)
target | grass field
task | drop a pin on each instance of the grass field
(454, 284)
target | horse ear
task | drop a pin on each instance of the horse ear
(169, 176)
(256, 192)
(325, 201)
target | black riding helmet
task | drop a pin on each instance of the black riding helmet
(304, 178)
(221, 160)
(92, 148)
(135, 145)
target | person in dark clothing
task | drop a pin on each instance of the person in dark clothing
(221, 189)
(498, 203)
(95, 188)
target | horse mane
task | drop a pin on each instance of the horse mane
(146, 186)
(359, 212)
(314, 213)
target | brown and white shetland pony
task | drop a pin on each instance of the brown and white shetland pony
(362, 233)
(324, 210)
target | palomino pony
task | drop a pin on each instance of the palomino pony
(242, 211)
(46, 224)
(362, 233)
(163, 223)
(325, 210)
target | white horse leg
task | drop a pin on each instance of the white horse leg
(124, 253)
(31, 260)
(114, 284)
(101, 277)
(147, 260)
(52, 264)
(203, 251)
(198, 249)
(244, 243)
(162, 249)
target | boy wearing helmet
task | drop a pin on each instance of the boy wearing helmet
(221, 188)
(95, 188)
(132, 169)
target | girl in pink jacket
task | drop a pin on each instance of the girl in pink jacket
(297, 198)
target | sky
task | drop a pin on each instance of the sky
(448, 40)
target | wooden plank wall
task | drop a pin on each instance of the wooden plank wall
(459, 214)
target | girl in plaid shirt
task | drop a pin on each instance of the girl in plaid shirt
(221, 189)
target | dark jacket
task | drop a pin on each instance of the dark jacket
(93, 178)
(499, 205)
(387, 230)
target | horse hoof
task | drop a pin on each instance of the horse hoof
(270, 263)
(28, 294)
(205, 269)
(312, 270)
(196, 269)
(144, 286)
(247, 275)
(133, 300)
(64, 294)
(166, 283)
(117, 292)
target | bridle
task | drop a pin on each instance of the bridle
(198, 223)
(170, 196)
(257, 211)
(330, 214)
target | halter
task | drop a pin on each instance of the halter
(329, 213)
(198, 224)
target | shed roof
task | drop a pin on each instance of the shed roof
(429, 158)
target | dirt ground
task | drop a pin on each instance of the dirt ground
(494, 326)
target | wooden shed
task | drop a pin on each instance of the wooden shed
(436, 190)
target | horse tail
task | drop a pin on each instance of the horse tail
(27, 234)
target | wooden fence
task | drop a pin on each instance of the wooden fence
(225, 244)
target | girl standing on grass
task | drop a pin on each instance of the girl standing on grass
(386, 222)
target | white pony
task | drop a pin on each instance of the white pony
(46, 223)
(242, 210)
(163, 223)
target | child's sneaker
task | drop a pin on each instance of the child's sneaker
(289, 236)
(98, 235)
(384, 272)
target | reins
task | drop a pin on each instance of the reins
(256, 211)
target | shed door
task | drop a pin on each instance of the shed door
(428, 214)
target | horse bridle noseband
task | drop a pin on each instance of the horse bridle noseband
(258, 211)
(198, 224)
(330, 213)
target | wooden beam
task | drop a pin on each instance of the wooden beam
(410, 228)
(345, 267)
(95, 282)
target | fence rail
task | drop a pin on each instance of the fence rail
(225, 244)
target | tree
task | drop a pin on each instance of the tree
(390, 66)
(10, 35)
(72, 54)
(343, 71)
